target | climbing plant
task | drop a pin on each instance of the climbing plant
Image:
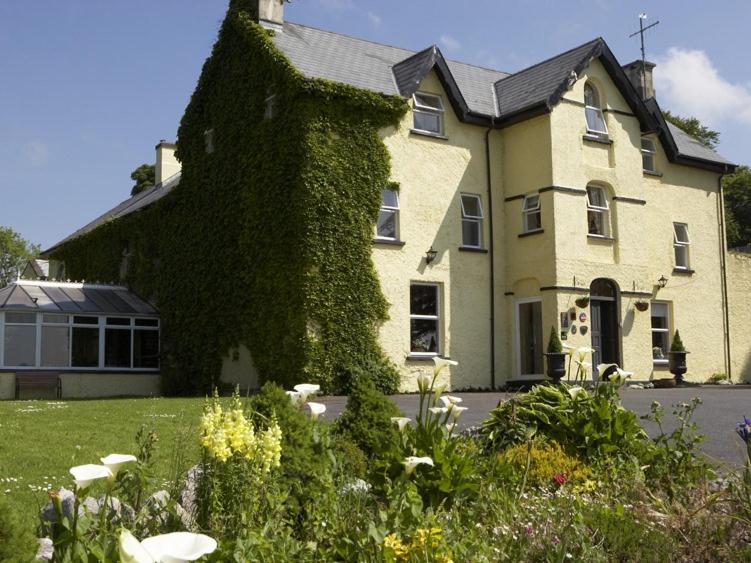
(266, 241)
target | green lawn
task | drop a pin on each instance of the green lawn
(41, 440)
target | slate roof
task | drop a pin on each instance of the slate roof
(61, 297)
(689, 146)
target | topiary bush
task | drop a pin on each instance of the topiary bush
(367, 418)
(677, 345)
(554, 343)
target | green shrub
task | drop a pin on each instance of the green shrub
(554, 343)
(677, 345)
(17, 541)
(351, 462)
(367, 418)
(380, 371)
(547, 461)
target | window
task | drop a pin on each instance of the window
(208, 141)
(681, 242)
(117, 341)
(593, 111)
(428, 113)
(424, 319)
(471, 221)
(388, 218)
(270, 105)
(648, 155)
(660, 332)
(55, 341)
(20, 339)
(529, 327)
(85, 342)
(532, 218)
(597, 212)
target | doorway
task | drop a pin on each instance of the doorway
(529, 338)
(604, 325)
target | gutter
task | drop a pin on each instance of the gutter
(492, 254)
(724, 278)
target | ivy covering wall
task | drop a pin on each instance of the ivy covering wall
(266, 241)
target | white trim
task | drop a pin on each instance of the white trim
(517, 337)
(72, 285)
(437, 110)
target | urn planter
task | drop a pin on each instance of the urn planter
(556, 365)
(677, 364)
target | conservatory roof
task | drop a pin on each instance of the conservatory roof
(67, 297)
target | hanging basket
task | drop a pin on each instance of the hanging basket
(641, 305)
(582, 302)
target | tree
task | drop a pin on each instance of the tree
(708, 137)
(14, 253)
(738, 206)
(144, 176)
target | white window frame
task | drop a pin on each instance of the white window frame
(661, 361)
(648, 154)
(603, 211)
(421, 108)
(436, 318)
(529, 211)
(679, 244)
(269, 106)
(208, 141)
(391, 210)
(473, 219)
(100, 325)
(597, 110)
(519, 303)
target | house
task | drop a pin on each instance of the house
(334, 206)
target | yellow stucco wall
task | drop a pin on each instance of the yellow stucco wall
(94, 385)
(739, 295)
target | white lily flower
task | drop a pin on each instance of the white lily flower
(441, 363)
(85, 475)
(115, 461)
(602, 368)
(448, 400)
(401, 422)
(585, 365)
(179, 547)
(316, 410)
(295, 397)
(131, 550)
(439, 410)
(423, 382)
(620, 376)
(438, 391)
(450, 427)
(306, 389)
(457, 411)
(574, 392)
(412, 462)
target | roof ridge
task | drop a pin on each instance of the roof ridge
(394, 46)
(598, 39)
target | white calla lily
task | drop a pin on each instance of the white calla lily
(441, 363)
(85, 475)
(439, 410)
(179, 547)
(114, 462)
(450, 427)
(295, 397)
(411, 462)
(401, 422)
(131, 550)
(456, 411)
(449, 400)
(574, 392)
(423, 382)
(316, 409)
(306, 389)
(620, 376)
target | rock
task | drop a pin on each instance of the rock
(724, 382)
(636, 386)
(158, 504)
(67, 501)
(189, 493)
(46, 550)
(94, 505)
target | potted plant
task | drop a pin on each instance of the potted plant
(677, 358)
(582, 302)
(641, 305)
(555, 357)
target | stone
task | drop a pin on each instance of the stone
(189, 494)
(46, 550)
(67, 502)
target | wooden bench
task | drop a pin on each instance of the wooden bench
(47, 380)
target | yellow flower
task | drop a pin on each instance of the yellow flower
(393, 543)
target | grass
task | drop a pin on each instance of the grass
(41, 440)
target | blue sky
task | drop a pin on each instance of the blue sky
(90, 86)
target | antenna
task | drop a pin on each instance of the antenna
(642, 29)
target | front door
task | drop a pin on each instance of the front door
(604, 323)
(529, 337)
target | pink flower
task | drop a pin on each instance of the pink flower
(560, 478)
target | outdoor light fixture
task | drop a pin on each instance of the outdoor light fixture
(662, 282)
(430, 255)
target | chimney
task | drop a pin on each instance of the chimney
(271, 14)
(641, 81)
(166, 163)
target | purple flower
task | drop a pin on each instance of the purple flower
(744, 430)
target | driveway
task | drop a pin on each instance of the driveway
(721, 409)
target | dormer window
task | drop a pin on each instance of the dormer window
(593, 111)
(428, 113)
(648, 155)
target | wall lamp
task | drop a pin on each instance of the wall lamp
(430, 255)
(662, 282)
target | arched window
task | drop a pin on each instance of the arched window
(598, 212)
(593, 111)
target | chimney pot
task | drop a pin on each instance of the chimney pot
(166, 163)
(641, 81)
(271, 14)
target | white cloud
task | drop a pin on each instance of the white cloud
(36, 153)
(450, 43)
(375, 19)
(688, 84)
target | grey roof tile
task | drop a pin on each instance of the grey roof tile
(692, 147)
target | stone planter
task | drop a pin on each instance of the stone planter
(677, 365)
(556, 365)
(664, 383)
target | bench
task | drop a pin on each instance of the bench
(46, 380)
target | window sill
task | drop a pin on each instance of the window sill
(473, 249)
(595, 138)
(530, 233)
(427, 358)
(601, 237)
(660, 363)
(429, 134)
(652, 173)
(683, 271)
(388, 242)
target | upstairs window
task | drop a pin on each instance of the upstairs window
(681, 242)
(471, 221)
(388, 218)
(648, 155)
(208, 141)
(428, 113)
(532, 218)
(598, 221)
(593, 111)
(270, 104)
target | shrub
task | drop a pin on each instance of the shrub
(554, 343)
(677, 345)
(351, 462)
(380, 371)
(547, 462)
(17, 541)
(367, 418)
